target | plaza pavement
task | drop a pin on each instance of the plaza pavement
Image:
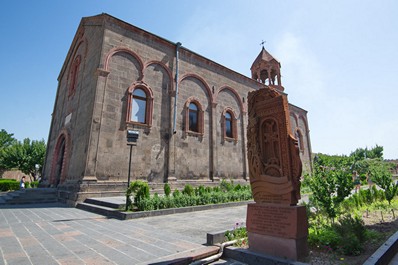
(57, 234)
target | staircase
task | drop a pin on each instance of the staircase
(106, 206)
(29, 196)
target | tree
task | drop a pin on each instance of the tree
(6, 139)
(330, 186)
(373, 153)
(23, 156)
(382, 176)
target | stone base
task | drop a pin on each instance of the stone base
(278, 230)
(293, 249)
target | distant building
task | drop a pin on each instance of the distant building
(190, 112)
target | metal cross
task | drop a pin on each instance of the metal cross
(262, 43)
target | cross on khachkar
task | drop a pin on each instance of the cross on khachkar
(271, 139)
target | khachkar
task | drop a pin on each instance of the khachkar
(276, 225)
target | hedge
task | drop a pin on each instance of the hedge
(8, 184)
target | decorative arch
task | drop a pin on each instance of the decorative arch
(200, 116)
(74, 67)
(148, 105)
(208, 90)
(73, 75)
(295, 117)
(60, 160)
(116, 50)
(169, 73)
(303, 118)
(233, 91)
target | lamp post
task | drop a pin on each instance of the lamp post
(132, 137)
(37, 166)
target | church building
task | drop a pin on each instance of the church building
(129, 102)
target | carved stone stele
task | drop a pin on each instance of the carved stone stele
(273, 153)
(276, 225)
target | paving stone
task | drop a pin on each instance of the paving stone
(57, 234)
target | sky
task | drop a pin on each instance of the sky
(339, 58)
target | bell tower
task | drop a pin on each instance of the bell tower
(267, 70)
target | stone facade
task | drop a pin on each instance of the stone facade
(108, 63)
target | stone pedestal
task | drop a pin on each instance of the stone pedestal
(278, 230)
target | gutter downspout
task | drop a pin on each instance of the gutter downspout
(178, 45)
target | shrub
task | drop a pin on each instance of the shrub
(176, 193)
(350, 245)
(199, 191)
(349, 225)
(324, 236)
(8, 184)
(226, 186)
(216, 189)
(167, 189)
(188, 190)
(141, 191)
(188, 197)
(33, 184)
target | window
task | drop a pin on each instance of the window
(194, 120)
(299, 138)
(228, 125)
(193, 117)
(138, 108)
(73, 75)
(140, 103)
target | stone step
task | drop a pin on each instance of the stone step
(27, 201)
(98, 209)
(106, 202)
(29, 196)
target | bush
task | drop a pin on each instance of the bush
(226, 186)
(188, 190)
(350, 245)
(141, 191)
(325, 236)
(346, 237)
(199, 191)
(167, 189)
(176, 193)
(8, 184)
(199, 196)
(33, 184)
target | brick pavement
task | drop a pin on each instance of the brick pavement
(56, 234)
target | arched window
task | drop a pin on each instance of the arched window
(73, 75)
(140, 105)
(229, 125)
(138, 108)
(193, 117)
(299, 138)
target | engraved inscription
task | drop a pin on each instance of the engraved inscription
(272, 221)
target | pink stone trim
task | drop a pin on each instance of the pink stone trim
(149, 103)
(63, 137)
(238, 98)
(210, 94)
(169, 73)
(200, 118)
(123, 50)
